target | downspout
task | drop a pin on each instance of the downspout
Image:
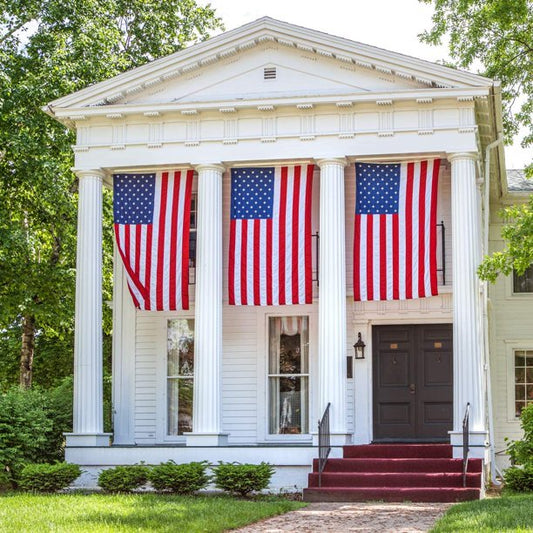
(494, 471)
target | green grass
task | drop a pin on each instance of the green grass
(99, 513)
(509, 513)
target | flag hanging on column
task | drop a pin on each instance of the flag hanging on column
(151, 214)
(270, 236)
(395, 234)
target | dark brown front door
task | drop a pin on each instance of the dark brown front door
(413, 382)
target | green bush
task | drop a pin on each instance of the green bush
(182, 479)
(25, 428)
(242, 478)
(519, 478)
(521, 451)
(6, 482)
(123, 478)
(47, 477)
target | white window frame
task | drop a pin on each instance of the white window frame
(512, 346)
(518, 294)
(264, 375)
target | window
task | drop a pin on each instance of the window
(180, 375)
(524, 282)
(192, 238)
(523, 360)
(288, 375)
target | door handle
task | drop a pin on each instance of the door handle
(412, 388)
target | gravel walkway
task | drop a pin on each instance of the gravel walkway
(362, 517)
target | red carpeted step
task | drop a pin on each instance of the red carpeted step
(397, 479)
(398, 465)
(419, 451)
(390, 494)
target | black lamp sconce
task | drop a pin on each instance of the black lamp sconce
(359, 347)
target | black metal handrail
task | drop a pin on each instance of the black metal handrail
(466, 446)
(442, 251)
(324, 443)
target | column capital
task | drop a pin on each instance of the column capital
(89, 173)
(332, 161)
(455, 156)
(219, 167)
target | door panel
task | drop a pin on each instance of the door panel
(412, 382)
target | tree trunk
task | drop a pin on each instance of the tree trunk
(27, 350)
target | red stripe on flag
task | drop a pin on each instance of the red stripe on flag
(295, 232)
(422, 228)
(308, 237)
(138, 234)
(369, 258)
(185, 244)
(127, 267)
(409, 232)
(244, 262)
(395, 258)
(357, 259)
(231, 262)
(383, 257)
(282, 229)
(256, 262)
(433, 228)
(173, 242)
(161, 243)
(148, 269)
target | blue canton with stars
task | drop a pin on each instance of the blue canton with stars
(133, 198)
(378, 189)
(252, 193)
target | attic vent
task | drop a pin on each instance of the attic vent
(269, 73)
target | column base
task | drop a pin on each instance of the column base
(478, 441)
(206, 439)
(79, 440)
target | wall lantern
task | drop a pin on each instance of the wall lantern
(359, 347)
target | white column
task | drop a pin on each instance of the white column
(332, 297)
(88, 427)
(468, 373)
(208, 311)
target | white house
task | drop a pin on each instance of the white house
(249, 383)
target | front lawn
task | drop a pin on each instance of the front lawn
(95, 513)
(509, 513)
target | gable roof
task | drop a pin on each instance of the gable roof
(117, 89)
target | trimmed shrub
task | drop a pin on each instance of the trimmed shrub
(47, 477)
(242, 478)
(519, 478)
(123, 478)
(182, 479)
(521, 451)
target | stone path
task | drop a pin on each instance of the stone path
(360, 517)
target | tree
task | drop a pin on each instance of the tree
(48, 49)
(498, 34)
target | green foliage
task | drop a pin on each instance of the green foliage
(519, 478)
(521, 451)
(518, 236)
(497, 34)
(49, 48)
(48, 477)
(123, 478)
(6, 483)
(32, 423)
(24, 428)
(180, 478)
(242, 478)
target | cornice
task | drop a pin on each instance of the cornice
(267, 30)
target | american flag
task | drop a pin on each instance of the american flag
(270, 236)
(151, 213)
(395, 237)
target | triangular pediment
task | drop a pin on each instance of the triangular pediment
(264, 60)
